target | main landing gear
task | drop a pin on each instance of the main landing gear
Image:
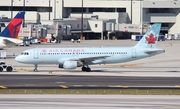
(35, 68)
(87, 69)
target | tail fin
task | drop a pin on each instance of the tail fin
(13, 28)
(149, 40)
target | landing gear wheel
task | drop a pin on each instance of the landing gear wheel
(9, 69)
(88, 69)
(35, 68)
(83, 68)
(1, 69)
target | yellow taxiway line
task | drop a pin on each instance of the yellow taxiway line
(64, 87)
(3, 87)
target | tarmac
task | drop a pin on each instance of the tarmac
(163, 69)
(162, 65)
(70, 81)
(89, 101)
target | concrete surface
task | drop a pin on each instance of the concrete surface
(40, 81)
(89, 101)
(163, 65)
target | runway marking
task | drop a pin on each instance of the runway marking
(122, 65)
(50, 72)
(177, 86)
(63, 86)
(25, 69)
(29, 84)
(122, 86)
(3, 87)
(78, 85)
(54, 76)
(132, 65)
(60, 74)
(92, 85)
(59, 82)
(112, 64)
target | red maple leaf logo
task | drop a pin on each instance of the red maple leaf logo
(151, 39)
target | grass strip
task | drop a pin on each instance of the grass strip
(93, 91)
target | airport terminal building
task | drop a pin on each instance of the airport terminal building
(101, 17)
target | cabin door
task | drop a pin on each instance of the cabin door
(133, 53)
(36, 55)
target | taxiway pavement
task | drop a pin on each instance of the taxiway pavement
(89, 101)
(55, 81)
(162, 65)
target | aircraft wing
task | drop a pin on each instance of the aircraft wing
(9, 43)
(88, 59)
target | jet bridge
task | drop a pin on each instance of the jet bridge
(133, 28)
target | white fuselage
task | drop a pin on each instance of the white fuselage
(59, 55)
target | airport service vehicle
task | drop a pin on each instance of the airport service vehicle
(25, 43)
(8, 37)
(71, 58)
(78, 41)
(5, 67)
(35, 41)
(3, 55)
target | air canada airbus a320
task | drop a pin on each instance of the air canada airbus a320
(71, 58)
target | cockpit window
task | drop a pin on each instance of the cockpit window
(25, 53)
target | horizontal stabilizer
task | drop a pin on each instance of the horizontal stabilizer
(9, 43)
(154, 52)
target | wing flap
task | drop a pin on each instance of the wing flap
(88, 59)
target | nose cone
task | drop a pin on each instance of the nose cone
(19, 59)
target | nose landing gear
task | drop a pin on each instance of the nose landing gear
(35, 68)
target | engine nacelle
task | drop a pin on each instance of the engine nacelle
(69, 65)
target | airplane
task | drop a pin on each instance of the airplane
(71, 58)
(8, 37)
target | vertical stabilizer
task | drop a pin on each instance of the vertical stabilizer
(149, 40)
(13, 28)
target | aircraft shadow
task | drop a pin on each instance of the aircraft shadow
(100, 71)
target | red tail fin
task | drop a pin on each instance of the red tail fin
(13, 28)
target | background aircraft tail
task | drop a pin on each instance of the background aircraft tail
(149, 40)
(13, 28)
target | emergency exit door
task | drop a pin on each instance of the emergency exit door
(133, 53)
(36, 55)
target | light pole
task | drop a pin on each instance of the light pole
(131, 11)
(11, 9)
(82, 19)
(141, 17)
(24, 11)
(49, 9)
(54, 9)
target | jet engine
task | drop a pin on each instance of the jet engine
(70, 65)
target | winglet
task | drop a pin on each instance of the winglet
(149, 40)
(13, 28)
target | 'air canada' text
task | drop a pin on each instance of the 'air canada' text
(62, 50)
